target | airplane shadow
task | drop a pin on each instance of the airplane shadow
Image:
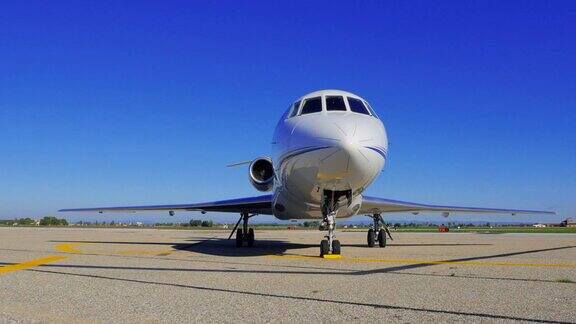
(219, 246)
(227, 248)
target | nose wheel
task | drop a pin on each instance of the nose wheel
(325, 248)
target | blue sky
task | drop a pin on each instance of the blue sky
(136, 102)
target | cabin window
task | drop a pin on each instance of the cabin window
(356, 105)
(312, 105)
(335, 103)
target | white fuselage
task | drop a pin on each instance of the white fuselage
(325, 150)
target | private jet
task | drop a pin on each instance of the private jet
(328, 147)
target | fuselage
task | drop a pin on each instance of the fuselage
(327, 140)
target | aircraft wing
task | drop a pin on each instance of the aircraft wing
(253, 205)
(373, 205)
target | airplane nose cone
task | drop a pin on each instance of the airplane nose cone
(347, 164)
(350, 148)
(340, 145)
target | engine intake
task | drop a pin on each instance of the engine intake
(261, 174)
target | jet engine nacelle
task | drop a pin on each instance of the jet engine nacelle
(261, 174)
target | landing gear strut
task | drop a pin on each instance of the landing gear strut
(243, 234)
(378, 232)
(329, 245)
(329, 210)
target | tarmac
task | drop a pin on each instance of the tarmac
(136, 275)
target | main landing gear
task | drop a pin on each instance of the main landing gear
(378, 232)
(243, 234)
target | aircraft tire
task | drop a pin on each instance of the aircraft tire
(324, 248)
(382, 238)
(250, 238)
(371, 238)
(239, 237)
(335, 247)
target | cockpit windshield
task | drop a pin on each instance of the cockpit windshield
(312, 105)
(356, 105)
(328, 103)
(335, 103)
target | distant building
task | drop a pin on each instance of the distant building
(539, 225)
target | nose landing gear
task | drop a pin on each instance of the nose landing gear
(330, 205)
(329, 245)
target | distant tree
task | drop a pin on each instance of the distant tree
(207, 224)
(164, 224)
(25, 221)
(195, 222)
(311, 224)
(47, 221)
(53, 221)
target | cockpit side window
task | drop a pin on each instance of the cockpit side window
(294, 111)
(356, 105)
(312, 105)
(371, 110)
(335, 103)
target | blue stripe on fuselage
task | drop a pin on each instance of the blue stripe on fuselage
(377, 150)
(300, 151)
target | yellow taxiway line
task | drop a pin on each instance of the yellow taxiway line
(413, 261)
(332, 256)
(30, 264)
(68, 248)
(72, 248)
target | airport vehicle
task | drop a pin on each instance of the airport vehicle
(328, 147)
